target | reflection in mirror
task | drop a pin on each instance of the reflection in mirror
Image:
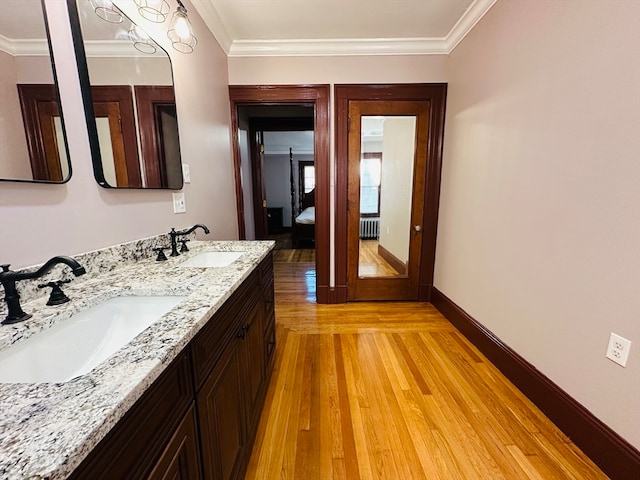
(32, 139)
(386, 179)
(135, 140)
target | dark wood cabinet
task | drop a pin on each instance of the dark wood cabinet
(200, 417)
(275, 220)
(134, 446)
(252, 357)
(220, 407)
(181, 458)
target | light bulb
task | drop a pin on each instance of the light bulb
(182, 28)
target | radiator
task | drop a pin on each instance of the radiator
(370, 228)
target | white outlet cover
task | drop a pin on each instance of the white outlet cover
(186, 173)
(179, 203)
(618, 349)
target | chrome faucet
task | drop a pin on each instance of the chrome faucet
(174, 237)
(8, 278)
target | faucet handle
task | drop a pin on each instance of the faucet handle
(57, 296)
(5, 267)
(161, 256)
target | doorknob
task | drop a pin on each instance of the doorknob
(417, 228)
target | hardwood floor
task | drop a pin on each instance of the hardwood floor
(371, 264)
(393, 391)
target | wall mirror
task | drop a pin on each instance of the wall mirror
(127, 84)
(32, 139)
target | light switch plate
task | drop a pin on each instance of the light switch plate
(179, 204)
(186, 174)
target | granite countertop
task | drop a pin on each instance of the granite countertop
(46, 430)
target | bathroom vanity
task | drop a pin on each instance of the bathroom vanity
(181, 400)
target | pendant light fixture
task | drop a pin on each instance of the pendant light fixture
(141, 41)
(180, 31)
(106, 10)
(153, 10)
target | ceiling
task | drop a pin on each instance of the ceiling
(340, 27)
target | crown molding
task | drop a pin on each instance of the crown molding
(342, 47)
(337, 47)
(24, 47)
(467, 21)
(118, 49)
(212, 20)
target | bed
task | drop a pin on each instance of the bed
(304, 224)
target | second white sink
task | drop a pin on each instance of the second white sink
(212, 259)
(76, 346)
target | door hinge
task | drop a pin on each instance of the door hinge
(348, 124)
(261, 148)
(264, 204)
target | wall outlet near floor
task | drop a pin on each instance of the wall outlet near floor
(179, 204)
(618, 349)
(186, 173)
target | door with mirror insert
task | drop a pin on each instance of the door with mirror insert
(387, 161)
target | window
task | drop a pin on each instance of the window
(307, 176)
(370, 169)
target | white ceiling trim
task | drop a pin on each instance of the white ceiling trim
(337, 47)
(342, 47)
(117, 49)
(24, 47)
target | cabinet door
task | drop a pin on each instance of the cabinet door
(252, 354)
(220, 407)
(181, 459)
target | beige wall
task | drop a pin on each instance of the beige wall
(398, 152)
(14, 157)
(361, 69)
(39, 221)
(539, 234)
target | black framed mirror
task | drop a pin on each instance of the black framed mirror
(126, 80)
(33, 145)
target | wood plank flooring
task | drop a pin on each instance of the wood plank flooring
(393, 391)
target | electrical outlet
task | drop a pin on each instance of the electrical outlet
(186, 174)
(618, 349)
(179, 204)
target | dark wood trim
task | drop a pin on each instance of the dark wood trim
(318, 96)
(39, 105)
(613, 454)
(436, 94)
(397, 264)
(123, 96)
(148, 99)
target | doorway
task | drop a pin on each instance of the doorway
(317, 97)
(388, 152)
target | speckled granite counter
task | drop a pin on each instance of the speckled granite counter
(46, 430)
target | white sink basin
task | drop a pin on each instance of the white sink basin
(212, 259)
(76, 346)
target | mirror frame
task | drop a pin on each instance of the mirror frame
(30, 134)
(89, 110)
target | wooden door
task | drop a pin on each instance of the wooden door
(387, 164)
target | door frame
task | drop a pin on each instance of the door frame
(281, 95)
(436, 94)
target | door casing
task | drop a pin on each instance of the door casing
(318, 96)
(435, 94)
